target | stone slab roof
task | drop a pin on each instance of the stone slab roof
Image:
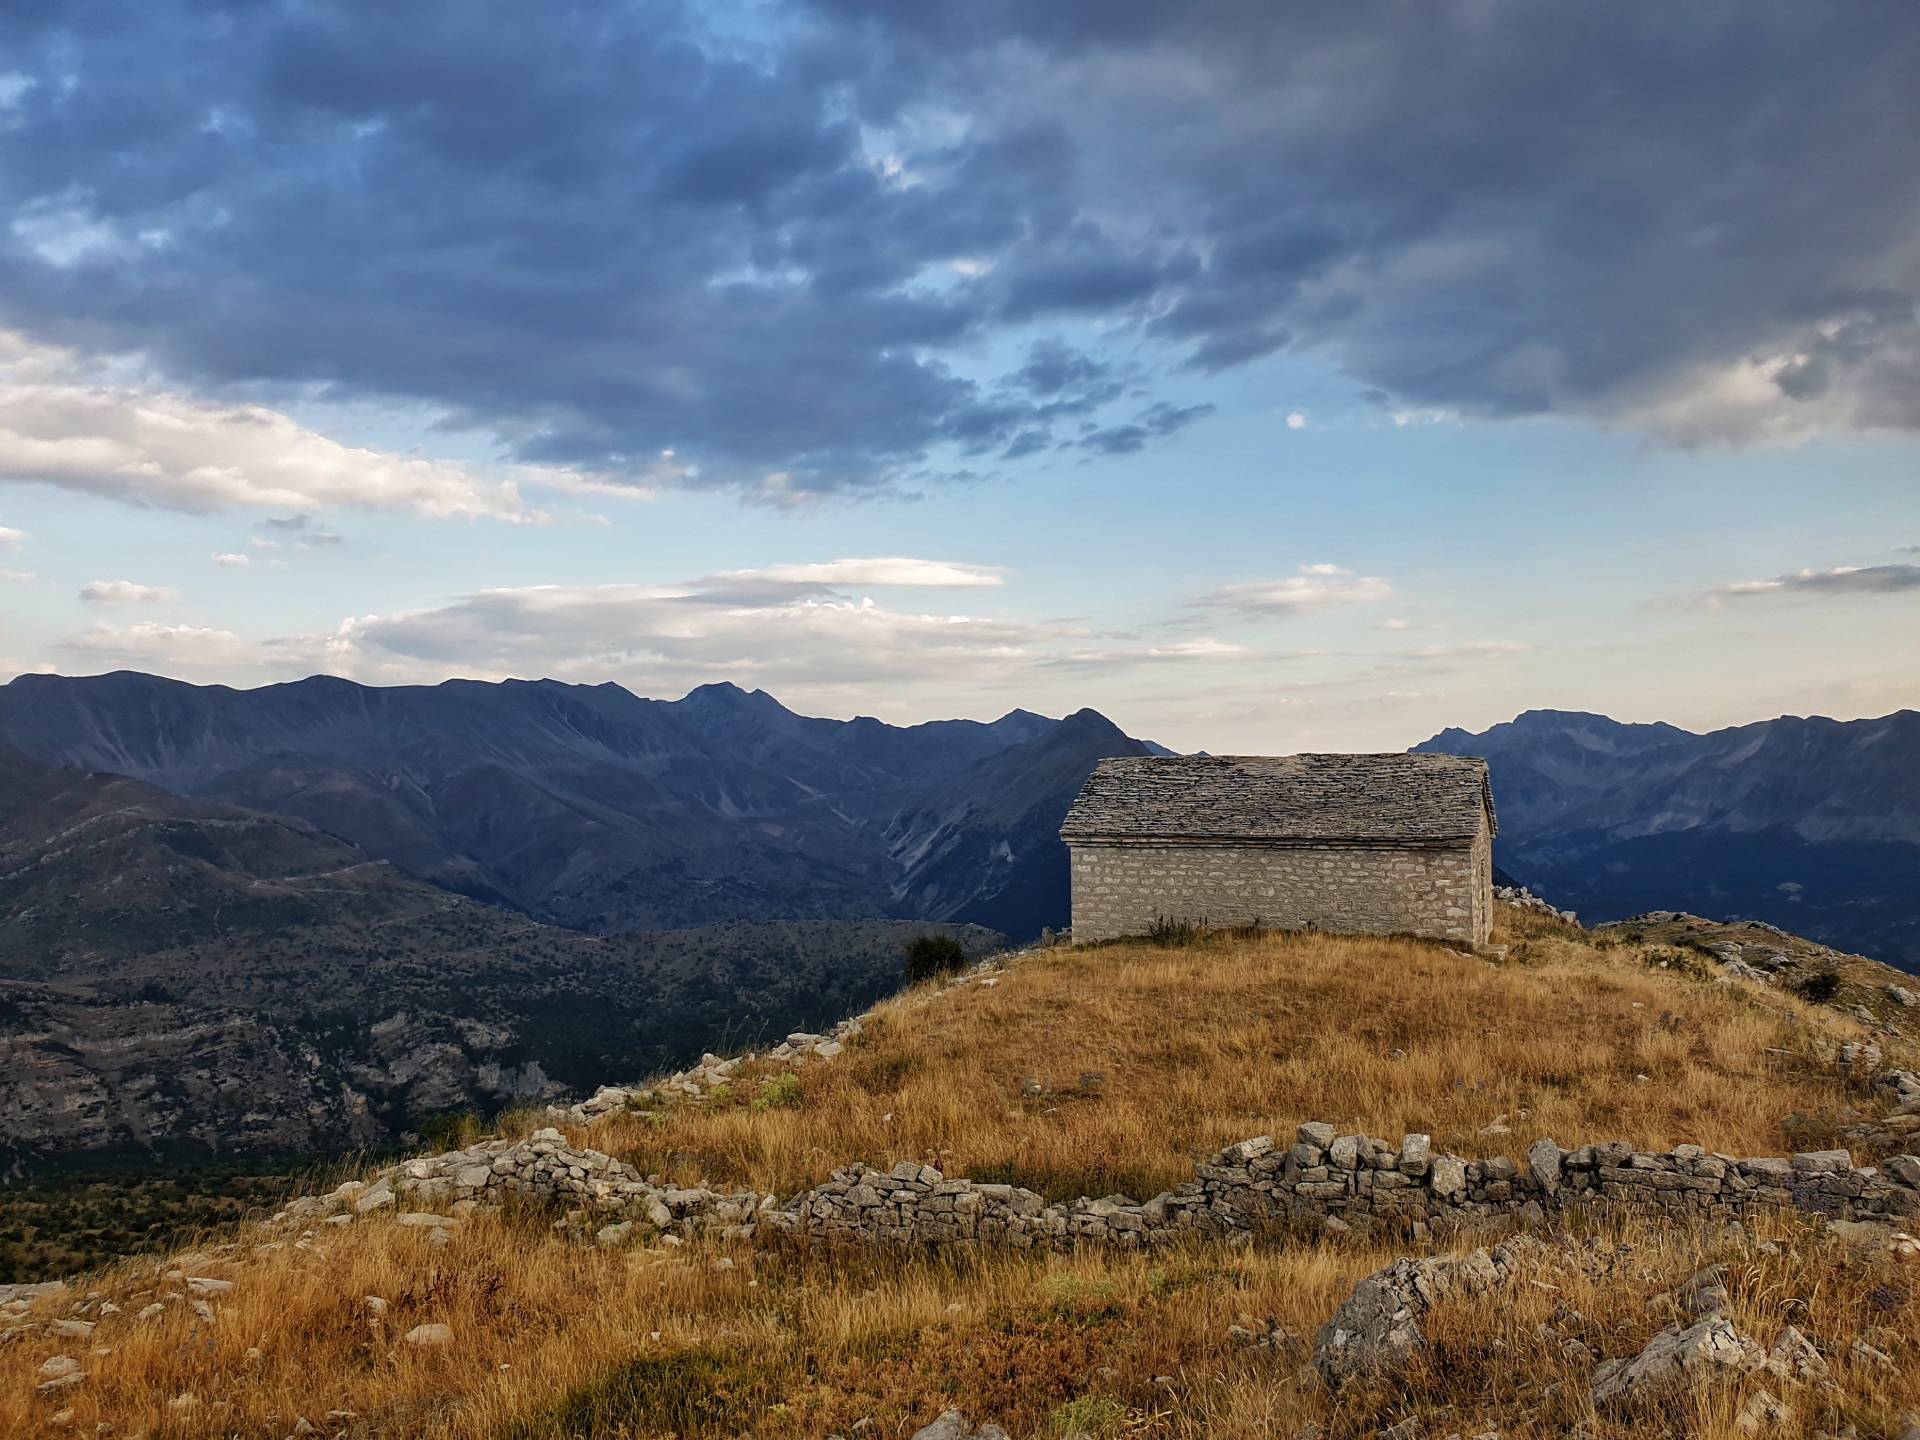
(1381, 799)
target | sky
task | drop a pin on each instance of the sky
(1267, 377)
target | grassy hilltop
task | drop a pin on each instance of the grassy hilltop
(1111, 1069)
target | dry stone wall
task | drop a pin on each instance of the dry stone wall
(1121, 887)
(1323, 1181)
(1347, 1182)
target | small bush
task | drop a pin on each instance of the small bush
(1173, 933)
(1680, 961)
(451, 1130)
(1089, 1415)
(778, 1092)
(1820, 987)
(931, 955)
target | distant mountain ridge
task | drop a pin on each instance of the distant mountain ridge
(1808, 823)
(594, 808)
(183, 977)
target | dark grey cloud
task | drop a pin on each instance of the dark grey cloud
(302, 530)
(1157, 421)
(1843, 580)
(598, 231)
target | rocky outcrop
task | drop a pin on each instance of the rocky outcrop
(1377, 1328)
(1689, 1357)
(1522, 898)
(696, 1083)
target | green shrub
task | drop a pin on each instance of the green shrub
(1173, 933)
(1681, 961)
(1089, 1415)
(778, 1091)
(450, 1130)
(1820, 987)
(930, 955)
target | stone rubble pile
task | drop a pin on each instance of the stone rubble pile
(693, 1086)
(543, 1168)
(1522, 898)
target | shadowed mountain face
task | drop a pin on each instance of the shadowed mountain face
(1810, 824)
(590, 807)
(186, 978)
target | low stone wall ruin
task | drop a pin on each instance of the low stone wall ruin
(1348, 1183)
(1323, 1181)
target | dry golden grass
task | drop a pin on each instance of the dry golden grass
(553, 1339)
(1199, 1046)
(1204, 1045)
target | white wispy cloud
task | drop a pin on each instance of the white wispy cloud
(1316, 587)
(126, 592)
(10, 538)
(1200, 648)
(232, 560)
(887, 571)
(17, 577)
(1472, 648)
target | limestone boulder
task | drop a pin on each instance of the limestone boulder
(1695, 1357)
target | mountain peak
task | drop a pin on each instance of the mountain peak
(725, 692)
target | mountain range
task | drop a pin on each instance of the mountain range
(592, 808)
(314, 914)
(1809, 824)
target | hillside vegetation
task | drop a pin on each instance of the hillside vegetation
(1069, 1071)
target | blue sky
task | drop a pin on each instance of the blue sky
(1267, 380)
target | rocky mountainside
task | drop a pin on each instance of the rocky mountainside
(590, 807)
(187, 979)
(1812, 824)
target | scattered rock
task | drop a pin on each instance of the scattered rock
(952, 1425)
(1693, 1357)
(1762, 1412)
(429, 1335)
(1869, 1357)
(379, 1197)
(1794, 1361)
(1703, 1294)
(1376, 1329)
